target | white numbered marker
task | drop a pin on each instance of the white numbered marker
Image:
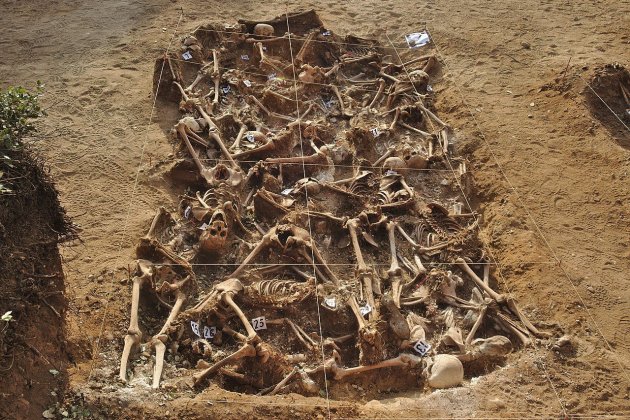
(245, 57)
(247, 83)
(272, 76)
(195, 328)
(287, 191)
(327, 33)
(331, 302)
(259, 323)
(209, 332)
(225, 90)
(365, 309)
(250, 137)
(187, 212)
(187, 55)
(422, 347)
(203, 227)
(375, 132)
(417, 39)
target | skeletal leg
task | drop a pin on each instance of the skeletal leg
(241, 132)
(379, 93)
(216, 78)
(341, 104)
(353, 227)
(133, 333)
(430, 114)
(311, 159)
(380, 160)
(483, 286)
(247, 350)
(268, 112)
(394, 273)
(396, 118)
(264, 243)
(307, 341)
(364, 273)
(273, 390)
(213, 132)
(299, 58)
(160, 350)
(407, 360)
(507, 300)
(415, 130)
(471, 335)
(251, 333)
(513, 328)
(511, 304)
(421, 267)
(159, 340)
(308, 259)
(320, 260)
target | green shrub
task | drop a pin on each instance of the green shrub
(18, 106)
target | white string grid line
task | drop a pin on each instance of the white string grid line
(492, 256)
(310, 232)
(95, 351)
(529, 214)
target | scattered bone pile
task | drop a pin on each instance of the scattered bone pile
(320, 234)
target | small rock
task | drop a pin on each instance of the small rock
(91, 277)
(497, 403)
(526, 45)
(202, 364)
(530, 116)
(532, 104)
(49, 414)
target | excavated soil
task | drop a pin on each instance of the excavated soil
(550, 168)
(33, 351)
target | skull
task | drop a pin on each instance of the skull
(415, 160)
(213, 238)
(263, 30)
(444, 371)
(395, 164)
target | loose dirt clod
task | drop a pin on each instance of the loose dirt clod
(267, 239)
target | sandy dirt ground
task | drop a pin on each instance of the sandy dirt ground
(553, 183)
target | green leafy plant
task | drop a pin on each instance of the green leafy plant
(18, 106)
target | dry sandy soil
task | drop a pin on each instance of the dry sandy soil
(553, 183)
